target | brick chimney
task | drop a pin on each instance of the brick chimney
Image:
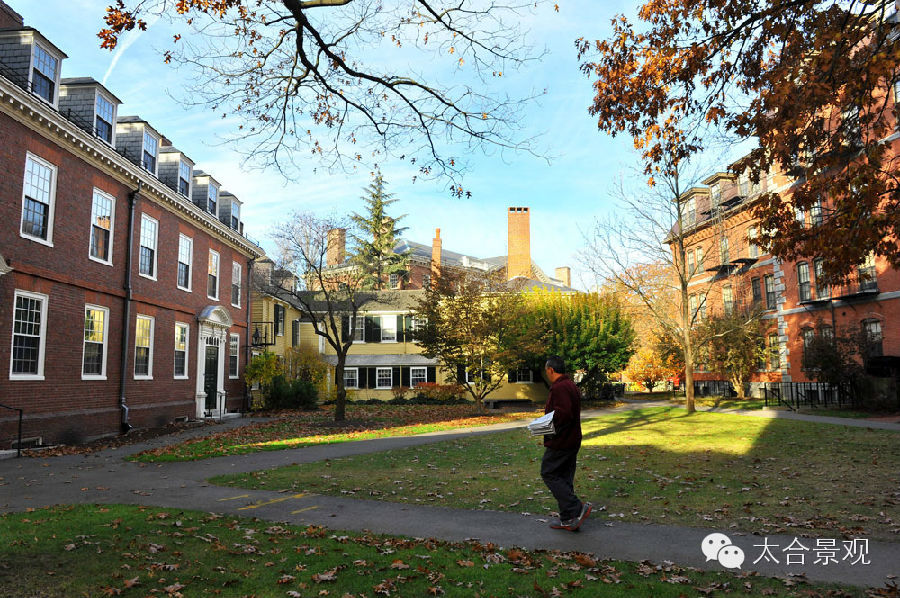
(336, 251)
(518, 261)
(436, 254)
(10, 19)
(564, 274)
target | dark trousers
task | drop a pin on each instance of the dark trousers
(558, 473)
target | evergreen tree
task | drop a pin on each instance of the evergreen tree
(376, 237)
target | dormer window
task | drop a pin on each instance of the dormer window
(212, 199)
(715, 194)
(235, 215)
(184, 179)
(104, 117)
(44, 70)
(690, 211)
(150, 152)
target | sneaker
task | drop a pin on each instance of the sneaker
(566, 524)
(585, 511)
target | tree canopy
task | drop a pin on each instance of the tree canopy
(351, 81)
(813, 81)
(589, 331)
(376, 237)
(471, 321)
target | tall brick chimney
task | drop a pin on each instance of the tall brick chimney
(336, 251)
(518, 261)
(9, 19)
(436, 254)
(564, 273)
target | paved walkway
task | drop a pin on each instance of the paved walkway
(105, 478)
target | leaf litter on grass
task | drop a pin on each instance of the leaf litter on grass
(141, 551)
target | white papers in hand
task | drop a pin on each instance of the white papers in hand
(542, 425)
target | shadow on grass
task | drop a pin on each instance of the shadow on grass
(637, 418)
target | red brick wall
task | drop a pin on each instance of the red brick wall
(63, 406)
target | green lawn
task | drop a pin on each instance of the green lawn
(299, 429)
(116, 550)
(656, 465)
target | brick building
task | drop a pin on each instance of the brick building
(425, 261)
(731, 271)
(124, 272)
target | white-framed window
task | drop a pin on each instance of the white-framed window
(524, 375)
(723, 250)
(690, 211)
(691, 265)
(212, 276)
(897, 92)
(804, 287)
(868, 278)
(38, 199)
(29, 336)
(351, 378)
(389, 329)
(44, 73)
(235, 215)
(235, 284)
(699, 252)
(823, 289)
(715, 194)
(752, 247)
(359, 329)
(150, 152)
(874, 337)
(394, 280)
(184, 178)
(102, 218)
(182, 344)
(185, 261)
(234, 346)
(212, 199)
(104, 117)
(384, 378)
(147, 251)
(96, 329)
(143, 347)
(418, 375)
(728, 299)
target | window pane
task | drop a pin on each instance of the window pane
(104, 118)
(147, 255)
(142, 346)
(43, 74)
(417, 376)
(38, 188)
(350, 378)
(26, 344)
(181, 340)
(385, 378)
(233, 355)
(101, 224)
(388, 328)
(151, 151)
(93, 341)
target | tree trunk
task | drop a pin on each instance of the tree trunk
(340, 399)
(738, 383)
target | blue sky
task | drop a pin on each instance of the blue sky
(564, 195)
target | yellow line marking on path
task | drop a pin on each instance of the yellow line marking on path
(302, 510)
(233, 497)
(271, 502)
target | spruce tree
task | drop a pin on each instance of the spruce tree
(377, 234)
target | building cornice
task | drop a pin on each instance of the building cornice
(48, 123)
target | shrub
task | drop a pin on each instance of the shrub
(399, 392)
(291, 394)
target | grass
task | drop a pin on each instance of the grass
(655, 465)
(364, 422)
(117, 550)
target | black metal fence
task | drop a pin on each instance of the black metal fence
(19, 439)
(714, 388)
(807, 394)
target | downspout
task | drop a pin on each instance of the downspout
(247, 349)
(126, 317)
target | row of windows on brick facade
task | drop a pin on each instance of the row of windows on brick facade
(38, 199)
(766, 284)
(30, 337)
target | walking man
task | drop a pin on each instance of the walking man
(561, 448)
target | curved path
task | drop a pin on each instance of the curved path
(104, 477)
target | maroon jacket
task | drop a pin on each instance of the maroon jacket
(565, 400)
